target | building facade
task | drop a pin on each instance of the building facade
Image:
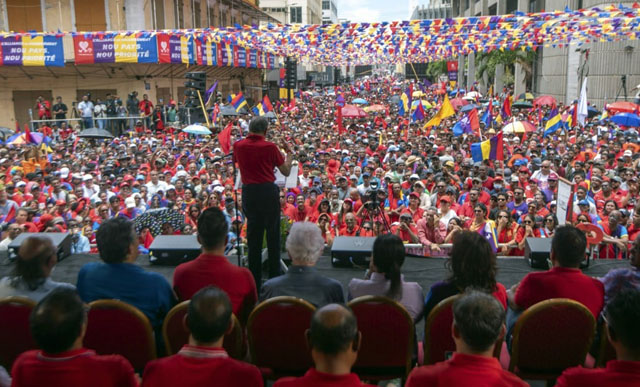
(294, 11)
(559, 71)
(162, 82)
(329, 12)
(435, 9)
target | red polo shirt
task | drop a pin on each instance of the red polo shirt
(464, 370)
(200, 366)
(237, 282)
(314, 378)
(80, 367)
(257, 158)
(617, 373)
(561, 282)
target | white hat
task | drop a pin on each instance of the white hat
(181, 173)
(130, 202)
(64, 172)
(628, 153)
(87, 177)
(21, 184)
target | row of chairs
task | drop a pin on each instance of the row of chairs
(548, 337)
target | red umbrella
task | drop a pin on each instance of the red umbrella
(457, 103)
(353, 111)
(545, 100)
(622, 107)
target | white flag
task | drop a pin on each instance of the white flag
(583, 113)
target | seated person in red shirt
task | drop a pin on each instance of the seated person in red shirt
(564, 280)
(406, 229)
(622, 318)
(334, 340)
(203, 361)
(351, 227)
(58, 325)
(478, 322)
(211, 267)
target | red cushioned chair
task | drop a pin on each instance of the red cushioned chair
(176, 334)
(15, 333)
(438, 341)
(276, 331)
(550, 337)
(115, 327)
(606, 351)
(388, 338)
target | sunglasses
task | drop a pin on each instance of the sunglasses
(528, 222)
(502, 199)
(478, 211)
(366, 228)
(503, 217)
(548, 220)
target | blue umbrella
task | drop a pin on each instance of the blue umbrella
(626, 119)
(453, 93)
(467, 108)
(360, 101)
(198, 130)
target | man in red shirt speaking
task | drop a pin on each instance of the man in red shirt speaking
(256, 160)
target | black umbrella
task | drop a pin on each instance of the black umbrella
(229, 110)
(6, 132)
(95, 133)
(154, 219)
(522, 104)
(591, 111)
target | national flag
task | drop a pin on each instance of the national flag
(489, 233)
(462, 126)
(473, 119)
(604, 115)
(554, 123)
(257, 110)
(224, 138)
(491, 149)
(574, 115)
(487, 117)
(418, 114)
(10, 215)
(583, 111)
(266, 104)
(506, 107)
(340, 100)
(405, 103)
(237, 101)
(209, 93)
(446, 110)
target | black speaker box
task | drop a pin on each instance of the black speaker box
(61, 240)
(537, 252)
(351, 251)
(172, 250)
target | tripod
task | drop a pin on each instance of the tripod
(623, 87)
(376, 212)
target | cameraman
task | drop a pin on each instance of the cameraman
(79, 243)
(406, 230)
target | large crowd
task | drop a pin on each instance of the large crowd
(383, 176)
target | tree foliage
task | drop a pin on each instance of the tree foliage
(487, 63)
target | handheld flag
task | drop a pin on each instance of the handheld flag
(554, 123)
(505, 112)
(487, 117)
(418, 114)
(224, 138)
(209, 93)
(446, 110)
(491, 149)
(583, 111)
(405, 103)
(237, 101)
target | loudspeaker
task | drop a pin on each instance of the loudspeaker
(537, 252)
(172, 250)
(351, 251)
(61, 241)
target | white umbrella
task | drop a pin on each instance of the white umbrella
(472, 95)
(197, 130)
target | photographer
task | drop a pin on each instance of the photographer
(132, 107)
(79, 243)
(406, 230)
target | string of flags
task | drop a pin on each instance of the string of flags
(330, 44)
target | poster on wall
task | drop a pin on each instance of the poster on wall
(28, 50)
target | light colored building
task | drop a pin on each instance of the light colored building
(559, 71)
(22, 85)
(434, 9)
(294, 11)
(329, 12)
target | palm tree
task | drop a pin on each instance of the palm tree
(487, 62)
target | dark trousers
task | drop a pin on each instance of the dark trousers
(261, 206)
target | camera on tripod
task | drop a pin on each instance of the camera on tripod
(374, 202)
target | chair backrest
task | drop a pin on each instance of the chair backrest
(551, 336)
(276, 331)
(176, 334)
(388, 337)
(15, 332)
(437, 332)
(606, 351)
(115, 327)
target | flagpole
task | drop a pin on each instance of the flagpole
(204, 110)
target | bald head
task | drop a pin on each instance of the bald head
(334, 329)
(36, 257)
(209, 315)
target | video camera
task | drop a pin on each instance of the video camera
(374, 202)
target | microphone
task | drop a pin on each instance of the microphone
(220, 158)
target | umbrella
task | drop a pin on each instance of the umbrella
(469, 107)
(526, 96)
(425, 104)
(453, 93)
(353, 111)
(522, 104)
(622, 107)
(21, 139)
(269, 115)
(395, 99)
(375, 108)
(360, 101)
(519, 127)
(154, 219)
(6, 132)
(417, 94)
(545, 100)
(197, 130)
(457, 103)
(229, 110)
(95, 133)
(592, 111)
(472, 95)
(626, 119)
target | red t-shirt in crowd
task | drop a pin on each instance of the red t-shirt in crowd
(257, 158)
(561, 282)
(201, 366)
(617, 373)
(464, 370)
(237, 282)
(314, 378)
(80, 367)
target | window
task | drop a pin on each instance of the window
(326, 4)
(24, 15)
(90, 16)
(197, 15)
(296, 14)
(179, 14)
(493, 10)
(158, 14)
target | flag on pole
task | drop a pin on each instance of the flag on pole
(209, 93)
(418, 114)
(583, 112)
(237, 101)
(505, 112)
(405, 102)
(224, 138)
(554, 123)
(446, 110)
(487, 117)
(491, 149)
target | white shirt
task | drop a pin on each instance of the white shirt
(152, 189)
(4, 245)
(86, 108)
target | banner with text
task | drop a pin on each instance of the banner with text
(27, 50)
